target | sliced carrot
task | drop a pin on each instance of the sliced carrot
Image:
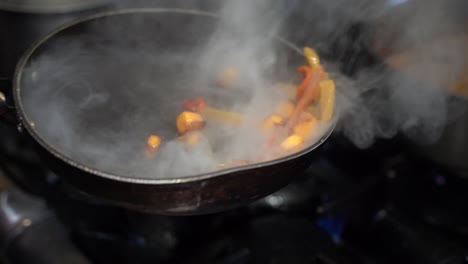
(307, 74)
(308, 97)
(309, 81)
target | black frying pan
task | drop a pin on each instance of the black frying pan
(89, 92)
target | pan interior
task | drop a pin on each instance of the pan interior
(95, 90)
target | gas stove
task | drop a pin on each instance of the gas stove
(379, 205)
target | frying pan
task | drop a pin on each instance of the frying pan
(139, 58)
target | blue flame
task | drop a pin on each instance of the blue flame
(333, 225)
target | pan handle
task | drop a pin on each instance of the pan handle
(7, 109)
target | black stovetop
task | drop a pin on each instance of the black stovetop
(379, 205)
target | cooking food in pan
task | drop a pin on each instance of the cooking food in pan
(293, 124)
(107, 102)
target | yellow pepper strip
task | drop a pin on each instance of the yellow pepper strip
(312, 57)
(221, 115)
(292, 143)
(327, 99)
(200, 106)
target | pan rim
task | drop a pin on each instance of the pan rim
(29, 126)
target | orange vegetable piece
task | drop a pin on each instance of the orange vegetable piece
(327, 100)
(273, 121)
(292, 143)
(307, 98)
(189, 121)
(152, 145)
(285, 109)
(307, 74)
(311, 77)
(199, 105)
(305, 129)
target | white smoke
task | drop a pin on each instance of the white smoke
(97, 99)
(382, 101)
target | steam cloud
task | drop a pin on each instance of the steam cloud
(415, 99)
(380, 101)
(96, 99)
(67, 89)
